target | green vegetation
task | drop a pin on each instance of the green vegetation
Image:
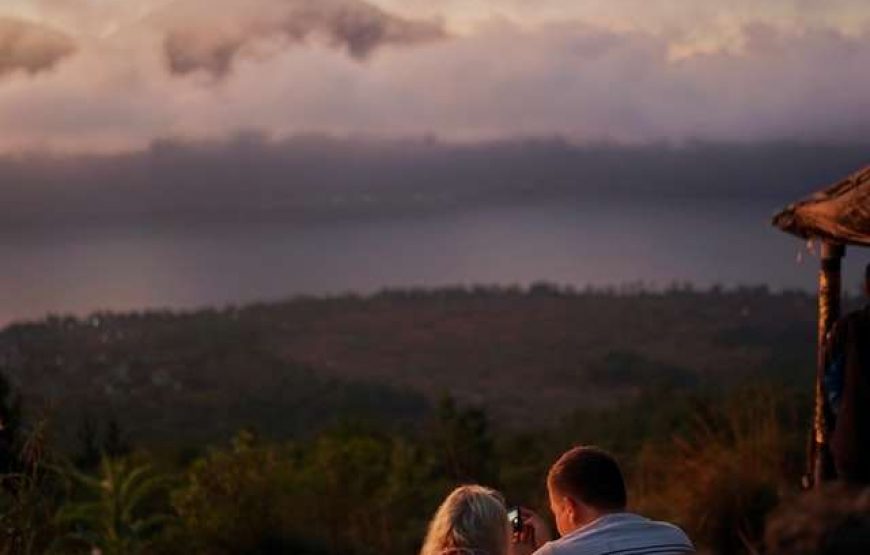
(114, 516)
(336, 426)
(717, 471)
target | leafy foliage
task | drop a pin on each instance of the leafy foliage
(722, 477)
(715, 465)
(31, 495)
(117, 515)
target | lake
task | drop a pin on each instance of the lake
(79, 269)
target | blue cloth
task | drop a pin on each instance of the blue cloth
(621, 534)
(832, 381)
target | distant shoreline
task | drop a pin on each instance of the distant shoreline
(624, 290)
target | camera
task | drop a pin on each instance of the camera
(515, 518)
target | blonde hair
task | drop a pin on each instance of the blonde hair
(471, 521)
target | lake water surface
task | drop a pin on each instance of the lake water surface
(119, 267)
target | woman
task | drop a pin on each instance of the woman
(471, 521)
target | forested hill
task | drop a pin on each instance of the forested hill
(529, 356)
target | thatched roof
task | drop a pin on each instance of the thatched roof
(840, 214)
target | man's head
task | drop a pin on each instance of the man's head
(583, 484)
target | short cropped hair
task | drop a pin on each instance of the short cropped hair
(471, 521)
(590, 475)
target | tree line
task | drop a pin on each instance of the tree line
(716, 464)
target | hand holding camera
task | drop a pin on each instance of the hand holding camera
(528, 531)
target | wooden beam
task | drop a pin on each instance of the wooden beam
(829, 312)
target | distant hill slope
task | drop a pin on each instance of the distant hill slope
(528, 356)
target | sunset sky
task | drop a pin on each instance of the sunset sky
(109, 75)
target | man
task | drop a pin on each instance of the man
(588, 499)
(847, 385)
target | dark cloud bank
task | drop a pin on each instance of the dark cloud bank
(353, 25)
(251, 178)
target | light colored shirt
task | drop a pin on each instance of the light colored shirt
(621, 534)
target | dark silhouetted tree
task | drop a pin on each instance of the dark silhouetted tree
(115, 445)
(87, 456)
(464, 439)
(10, 422)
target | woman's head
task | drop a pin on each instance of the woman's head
(471, 521)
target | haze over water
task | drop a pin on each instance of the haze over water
(116, 267)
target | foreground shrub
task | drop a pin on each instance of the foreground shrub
(833, 520)
(721, 479)
(31, 492)
(342, 493)
(118, 513)
(234, 500)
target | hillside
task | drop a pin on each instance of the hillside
(528, 356)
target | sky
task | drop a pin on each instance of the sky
(108, 76)
(148, 114)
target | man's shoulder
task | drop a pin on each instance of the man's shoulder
(669, 530)
(667, 537)
(624, 534)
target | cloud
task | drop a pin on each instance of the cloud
(253, 178)
(591, 84)
(584, 82)
(31, 47)
(355, 26)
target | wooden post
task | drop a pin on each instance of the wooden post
(829, 312)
